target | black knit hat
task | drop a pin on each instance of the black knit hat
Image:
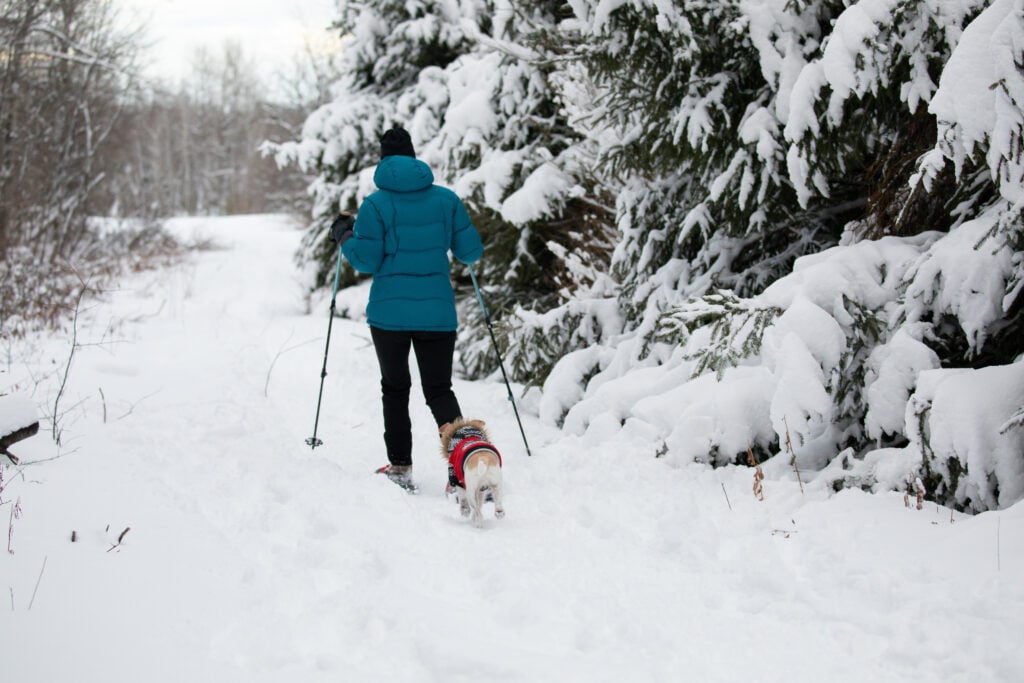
(396, 142)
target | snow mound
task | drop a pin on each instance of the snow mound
(16, 412)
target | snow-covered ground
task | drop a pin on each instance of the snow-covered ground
(249, 557)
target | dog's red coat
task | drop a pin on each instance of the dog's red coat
(462, 450)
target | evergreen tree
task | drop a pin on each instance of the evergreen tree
(387, 45)
(751, 134)
(484, 112)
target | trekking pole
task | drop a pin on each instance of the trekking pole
(312, 441)
(487, 320)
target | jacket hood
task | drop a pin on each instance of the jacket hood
(402, 174)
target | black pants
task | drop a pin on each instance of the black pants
(434, 351)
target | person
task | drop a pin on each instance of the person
(401, 235)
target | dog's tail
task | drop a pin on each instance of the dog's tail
(484, 470)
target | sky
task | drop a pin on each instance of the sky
(270, 31)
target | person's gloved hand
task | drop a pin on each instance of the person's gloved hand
(341, 228)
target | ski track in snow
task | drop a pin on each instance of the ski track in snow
(252, 558)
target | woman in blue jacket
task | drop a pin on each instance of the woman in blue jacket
(402, 235)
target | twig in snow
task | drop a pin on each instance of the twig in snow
(33, 600)
(104, 400)
(726, 496)
(281, 352)
(785, 533)
(792, 453)
(50, 459)
(1015, 421)
(67, 368)
(131, 407)
(367, 342)
(119, 538)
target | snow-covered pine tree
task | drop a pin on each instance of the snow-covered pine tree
(690, 122)
(699, 118)
(820, 112)
(969, 288)
(386, 46)
(481, 102)
(504, 141)
(688, 117)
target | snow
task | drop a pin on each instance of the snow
(894, 368)
(965, 274)
(16, 412)
(249, 557)
(533, 200)
(964, 411)
(978, 101)
(966, 96)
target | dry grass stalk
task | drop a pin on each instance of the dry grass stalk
(917, 486)
(15, 514)
(119, 539)
(758, 474)
(792, 454)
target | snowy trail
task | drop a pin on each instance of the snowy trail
(252, 558)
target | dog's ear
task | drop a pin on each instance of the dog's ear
(445, 431)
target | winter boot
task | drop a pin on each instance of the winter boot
(401, 475)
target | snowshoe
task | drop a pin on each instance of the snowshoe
(401, 475)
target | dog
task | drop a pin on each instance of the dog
(474, 468)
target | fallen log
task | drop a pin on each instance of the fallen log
(14, 437)
(17, 421)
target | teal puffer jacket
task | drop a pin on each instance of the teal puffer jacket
(402, 236)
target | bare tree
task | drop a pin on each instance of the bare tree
(196, 150)
(65, 70)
